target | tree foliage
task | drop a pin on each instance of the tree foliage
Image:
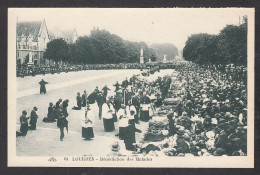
(100, 47)
(169, 49)
(229, 46)
(57, 50)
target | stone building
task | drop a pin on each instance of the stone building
(70, 36)
(32, 39)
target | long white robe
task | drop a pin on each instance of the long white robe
(128, 113)
(122, 118)
(88, 119)
(107, 112)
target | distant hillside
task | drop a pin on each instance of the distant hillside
(169, 49)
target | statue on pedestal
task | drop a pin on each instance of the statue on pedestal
(164, 58)
(30, 59)
(142, 56)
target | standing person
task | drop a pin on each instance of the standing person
(33, 119)
(84, 98)
(43, 88)
(118, 100)
(92, 97)
(171, 127)
(122, 122)
(57, 108)
(125, 84)
(105, 90)
(136, 103)
(100, 101)
(61, 123)
(87, 123)
(107, 114)
(79, 102)
(117, 85)
(65, 105)
(130, 111)
(145, 105)
(24, 124)
(124, 130)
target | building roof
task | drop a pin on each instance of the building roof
(67, 35)
(27, 28)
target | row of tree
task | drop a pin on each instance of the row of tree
(166, 48)
(101, 47)
(228, 47)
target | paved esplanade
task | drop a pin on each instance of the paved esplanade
(45, 140)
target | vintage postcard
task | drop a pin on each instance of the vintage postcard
(131, 87)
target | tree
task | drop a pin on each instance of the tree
(57, 50)
(169, 49)
(200, 48)
(230, 46)
(102, 47)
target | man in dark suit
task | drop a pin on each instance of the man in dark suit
(84, 98)
(136, 103)
(145, 105)
(100, 101)
(33, 119)
(105, 90)
(116, 86)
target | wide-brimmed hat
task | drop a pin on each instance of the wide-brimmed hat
(206, 100)
(210, 134)
(195, 118)
(214, 121)
(214, 101)
(115, 146)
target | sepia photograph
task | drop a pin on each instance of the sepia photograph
(131, 87)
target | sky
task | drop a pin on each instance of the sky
(151, 25)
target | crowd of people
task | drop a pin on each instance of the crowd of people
(211, 118)
(28, 70)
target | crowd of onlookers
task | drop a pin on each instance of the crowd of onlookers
(210, 118)
(28, 70)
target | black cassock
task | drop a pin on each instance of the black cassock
(43, 88)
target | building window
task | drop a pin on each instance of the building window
(18, 55)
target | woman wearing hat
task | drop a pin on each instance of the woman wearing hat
(33, 119)
(24, 124)
(107, 114)
(87, 123)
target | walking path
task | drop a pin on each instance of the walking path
(63, 84)
(45, 142)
